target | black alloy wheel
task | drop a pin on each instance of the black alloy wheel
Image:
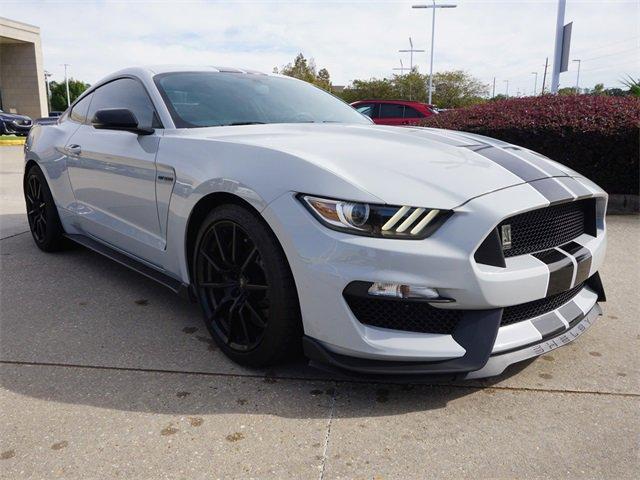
(42, 213)
(36, 208)
(245, 287)
(232, 278)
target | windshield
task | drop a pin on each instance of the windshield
(208, 99)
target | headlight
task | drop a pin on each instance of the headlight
(375, 220)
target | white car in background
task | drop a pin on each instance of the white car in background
(297, 224)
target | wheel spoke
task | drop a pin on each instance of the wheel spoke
(243, 323)
(233, 244)
(254, 287)
(255, 317)
(248, 259)
(212, 262)
(228, 284)
(220, 249)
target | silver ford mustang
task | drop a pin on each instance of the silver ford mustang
(298, 225)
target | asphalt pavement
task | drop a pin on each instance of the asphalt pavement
(105, 375)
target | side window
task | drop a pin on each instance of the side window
(391, 110)
(366, 109)
(125, 93)
(79, 110)
(410, 112)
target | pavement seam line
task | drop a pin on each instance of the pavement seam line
(325, 380)
(14, 235)
(328, 434)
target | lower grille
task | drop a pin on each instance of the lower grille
(406, 316)
(525, 311)
(423, 318)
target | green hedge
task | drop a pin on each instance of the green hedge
(598, 136)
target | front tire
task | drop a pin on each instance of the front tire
(245, 288)
(42, 212)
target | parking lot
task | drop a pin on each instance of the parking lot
(105, 374)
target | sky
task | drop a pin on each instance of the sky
(505, 39)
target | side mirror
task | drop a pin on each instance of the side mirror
(118, 119)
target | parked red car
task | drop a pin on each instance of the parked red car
(394, 112)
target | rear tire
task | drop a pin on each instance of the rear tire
(245, 288)
(42, 213)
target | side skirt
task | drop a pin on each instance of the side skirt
(176, 286)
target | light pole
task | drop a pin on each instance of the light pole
(402, 69)
(411, 51)
(507, 82)
(578, 76)
(557, 52)
(46, 81)
(66, 81)
(433, 30)
(535, 83)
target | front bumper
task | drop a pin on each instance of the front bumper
(16, 128)
(479, 362)
(324, 262)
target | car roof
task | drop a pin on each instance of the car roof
(158, 69)
(404, 102)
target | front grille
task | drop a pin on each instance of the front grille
(525, 311)
(406, 316)
(549, 227)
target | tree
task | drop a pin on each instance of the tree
(380, 89)
(633, 84)
(456, 88)
(598, 89)
(451, 89)
(567, 91)
(304, 69)
(59, 93)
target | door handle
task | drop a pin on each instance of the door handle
(74, 149)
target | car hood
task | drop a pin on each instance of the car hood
(399, 165)
(12, 117)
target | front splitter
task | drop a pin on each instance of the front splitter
(498, 363)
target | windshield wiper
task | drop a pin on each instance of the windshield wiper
(243, 123)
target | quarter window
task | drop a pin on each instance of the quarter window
(410, 112)
(126, 93)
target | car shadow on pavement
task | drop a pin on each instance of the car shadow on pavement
(77, 328)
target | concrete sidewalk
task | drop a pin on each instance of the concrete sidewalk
(104, 374)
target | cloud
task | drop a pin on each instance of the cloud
(352, 39)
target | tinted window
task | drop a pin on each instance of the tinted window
(410, 112)
(367, 109)
(79, 110)
(204, 99)
(125, 93)
(391, 110)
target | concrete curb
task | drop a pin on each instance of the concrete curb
(623, 204)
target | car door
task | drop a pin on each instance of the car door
(391, 114)
(113, 174)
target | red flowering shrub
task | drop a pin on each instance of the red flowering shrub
(598, 136)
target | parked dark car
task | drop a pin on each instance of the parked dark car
(12, 124)
(394, 112)
(50, 120)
